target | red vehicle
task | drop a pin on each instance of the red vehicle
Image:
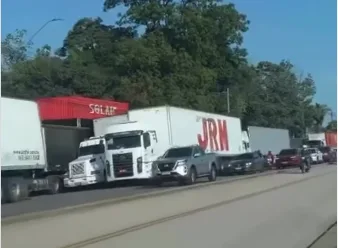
(292, 157)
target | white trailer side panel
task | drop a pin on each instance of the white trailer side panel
(268, 139)
(215, 133)
(156, 119)
(101, 123)
(22, 145)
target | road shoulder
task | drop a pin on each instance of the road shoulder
(328, 240)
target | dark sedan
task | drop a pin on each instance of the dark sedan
(246, 162)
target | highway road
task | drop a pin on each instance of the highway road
(282, 210)
(82, 196)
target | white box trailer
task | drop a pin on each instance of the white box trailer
(24, 166)
(156, 129)
(178, 127)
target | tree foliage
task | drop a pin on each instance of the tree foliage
(188, 54)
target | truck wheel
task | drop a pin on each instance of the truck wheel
(213, 174)
(192, 176)
(55, 185)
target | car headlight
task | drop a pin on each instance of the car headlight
(181, 163)
(248, 164)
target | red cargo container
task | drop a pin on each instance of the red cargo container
(331, 139)
(77, 107)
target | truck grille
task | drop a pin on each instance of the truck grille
(77, 169)
(166, 166)
(123, 165)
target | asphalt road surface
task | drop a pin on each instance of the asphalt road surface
(82, 196)
(285, 218)
(281, 211)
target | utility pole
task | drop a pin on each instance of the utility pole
(228, 100)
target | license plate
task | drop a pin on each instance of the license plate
(166, 173)
(122, 171)
(77, 184)
(284, 162)
(238, 168)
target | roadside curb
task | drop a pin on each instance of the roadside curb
(102, 203)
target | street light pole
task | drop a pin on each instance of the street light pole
(42, 27)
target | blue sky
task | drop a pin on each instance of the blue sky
(303, 31)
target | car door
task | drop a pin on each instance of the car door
(200, 161)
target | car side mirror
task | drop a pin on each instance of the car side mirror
(197, 155)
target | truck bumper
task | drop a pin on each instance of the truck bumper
(83, 181)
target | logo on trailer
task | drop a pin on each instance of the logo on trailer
(214, 135)
(101, 110)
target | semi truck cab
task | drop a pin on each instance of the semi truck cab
(89, 167)
(130, 151)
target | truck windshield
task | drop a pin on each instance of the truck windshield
(89, 150)
(288, 152)
(123, 142)
(178, 152)
(313, 143)
(245, 156)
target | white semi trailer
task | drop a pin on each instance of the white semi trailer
(34, 157)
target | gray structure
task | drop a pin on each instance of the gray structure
(268, 139)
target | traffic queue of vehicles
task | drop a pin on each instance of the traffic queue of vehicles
(157, 144)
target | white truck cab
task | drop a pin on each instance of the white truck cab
(131, 151)
(89, 167)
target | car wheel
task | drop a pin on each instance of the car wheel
(192, 176)
(213, 174)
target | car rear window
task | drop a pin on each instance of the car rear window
(288, 152)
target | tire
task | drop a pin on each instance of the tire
(55, 185)
(213, 174)
(192, 176)
(14, 190)
(302, 168)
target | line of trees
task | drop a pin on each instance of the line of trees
(188, 54)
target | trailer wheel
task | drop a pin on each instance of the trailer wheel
(55, 185)
(14, 190)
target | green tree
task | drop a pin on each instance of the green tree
(332, 126)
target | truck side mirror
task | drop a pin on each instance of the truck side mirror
(146, 140)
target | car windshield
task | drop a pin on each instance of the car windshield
(89, 150)
(123, 142)
(178, 152)
(324, 149)
(227, 158)
(244, 156)
(288, 152)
